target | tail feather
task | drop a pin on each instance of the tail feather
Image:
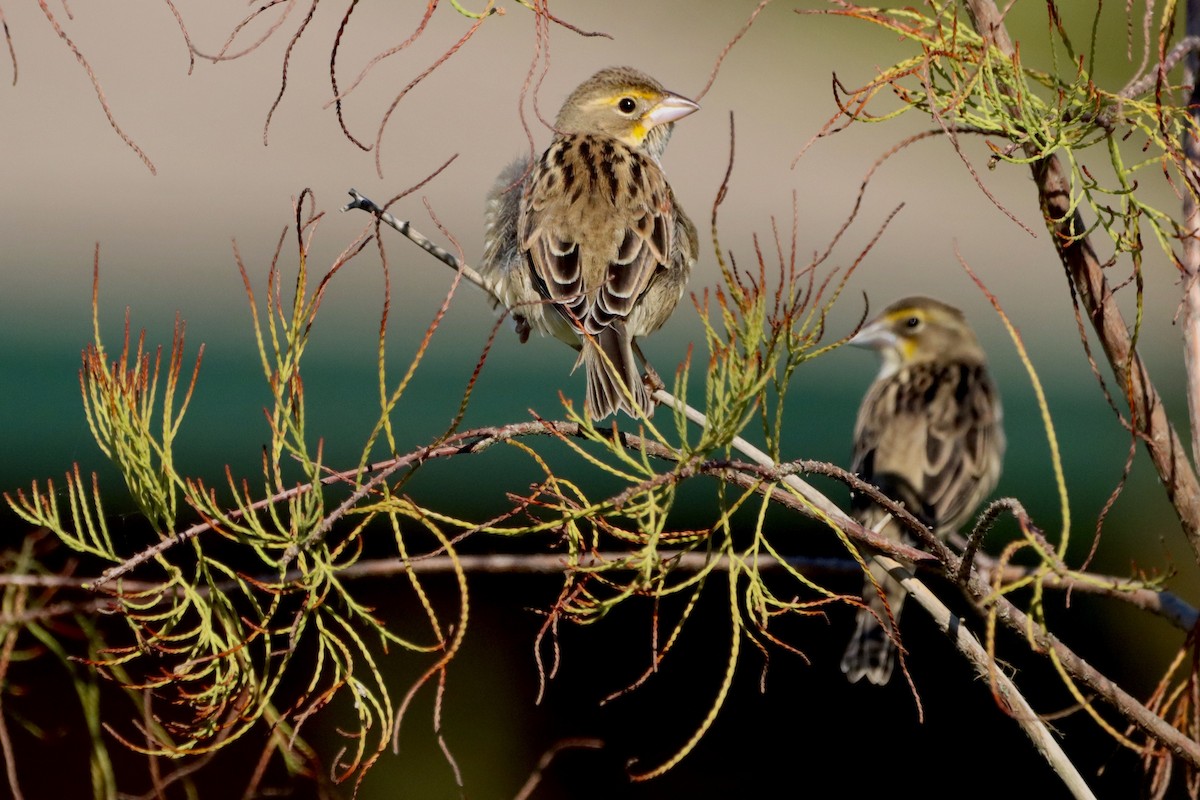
(871, 653)
(607, 383)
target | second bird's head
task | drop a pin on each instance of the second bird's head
(627, 105)
(919, 330)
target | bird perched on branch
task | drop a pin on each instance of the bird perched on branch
(588, 244)
(929, 436)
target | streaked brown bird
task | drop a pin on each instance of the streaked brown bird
(588, 244)
(929, 436)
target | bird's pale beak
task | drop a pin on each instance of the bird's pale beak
(874, 337)
(669, 109)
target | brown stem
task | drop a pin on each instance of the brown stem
(1191, 247)
(1083, 268)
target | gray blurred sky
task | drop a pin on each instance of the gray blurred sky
(165, 240)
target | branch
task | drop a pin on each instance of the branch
(976, 588)
(1191, 245)
(1018, 707)
(950, 624)
(1087, 278)
(364, 203)
(1185, 47)
(1169, 606)
(83, 62)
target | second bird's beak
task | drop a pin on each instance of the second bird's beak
(670, 108)
(879, 336)
(875, 336)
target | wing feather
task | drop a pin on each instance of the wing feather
(594, 250)
(926, 437)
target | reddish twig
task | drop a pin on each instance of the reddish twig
(712, 76)
(83, 62)
(12, 53)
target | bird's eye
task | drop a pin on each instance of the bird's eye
(626, 105)
(912, 323)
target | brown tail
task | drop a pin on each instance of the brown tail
(607, 383)
(871, 653)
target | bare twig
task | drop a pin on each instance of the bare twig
(1019, 709)
(548, 757)
(83, 62)
(224, 55)
(12, 53)
(729, 46)
(1168, 605)
(405, 228)
(283, 70)
(1184, 48)
(387, 115)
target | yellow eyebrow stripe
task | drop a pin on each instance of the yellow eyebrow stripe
(638, 93)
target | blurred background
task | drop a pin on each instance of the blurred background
(166, 246)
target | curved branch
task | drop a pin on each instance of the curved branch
(83, 62)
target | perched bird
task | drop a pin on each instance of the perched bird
(929, 436)
(588, 244)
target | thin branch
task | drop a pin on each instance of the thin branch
(729, 46)
(1185, 47)
(83, 62)
(12, 53)
(391, 109)
(1018, 707)
(1167, 605)
(548, 757)
(405, 228)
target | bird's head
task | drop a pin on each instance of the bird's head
(627, 105)
(919, 330)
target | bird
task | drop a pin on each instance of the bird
(588, 243)
(929, 435)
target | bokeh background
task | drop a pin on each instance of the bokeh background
(166, 246)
